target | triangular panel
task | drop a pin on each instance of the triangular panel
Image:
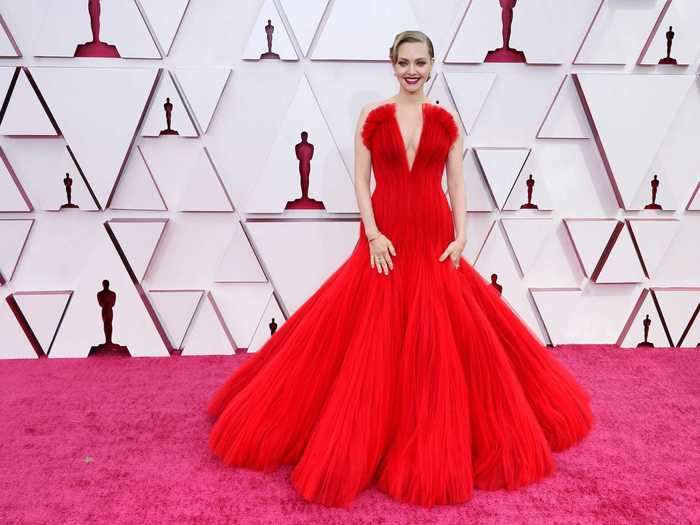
(112, 102)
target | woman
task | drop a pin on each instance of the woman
(405, 369)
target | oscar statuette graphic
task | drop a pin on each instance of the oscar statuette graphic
(505, 53)
(272, 326)
(304, 151)
(669, 42)
(269, 29)
(497, 286)
(168, 107)
(530, 182)
(68, 184)
(106, 299)
(646, 344)
(654, 189)
(96, 48)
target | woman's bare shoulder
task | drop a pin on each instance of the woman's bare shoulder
(367, 108)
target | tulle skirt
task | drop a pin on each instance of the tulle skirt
(423, 382)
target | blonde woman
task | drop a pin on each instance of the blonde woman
(405, 369)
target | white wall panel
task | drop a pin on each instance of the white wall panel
(591, 115)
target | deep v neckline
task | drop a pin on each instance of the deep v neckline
(410, 167)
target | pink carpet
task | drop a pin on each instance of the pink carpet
(124, 440)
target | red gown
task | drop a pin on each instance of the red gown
(423, 383)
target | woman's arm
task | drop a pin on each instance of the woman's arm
(455, 186)
(362, 178)
(380, 247)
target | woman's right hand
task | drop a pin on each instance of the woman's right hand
(380, 251)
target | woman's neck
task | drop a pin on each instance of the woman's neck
(410, 99)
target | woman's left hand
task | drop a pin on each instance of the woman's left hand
(454, 251)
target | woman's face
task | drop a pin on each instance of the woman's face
(413, 65)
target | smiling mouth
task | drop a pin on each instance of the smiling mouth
(411, 80)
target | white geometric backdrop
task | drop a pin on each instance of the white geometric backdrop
(192, 232)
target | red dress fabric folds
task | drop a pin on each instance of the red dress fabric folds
(423, 383)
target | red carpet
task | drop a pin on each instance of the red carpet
(124, 440)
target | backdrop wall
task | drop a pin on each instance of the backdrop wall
(194, 232)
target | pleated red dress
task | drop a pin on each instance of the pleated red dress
(422, 382)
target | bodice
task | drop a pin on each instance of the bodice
(382, 136)
(408, 199)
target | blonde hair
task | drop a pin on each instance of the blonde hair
(409, 36)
